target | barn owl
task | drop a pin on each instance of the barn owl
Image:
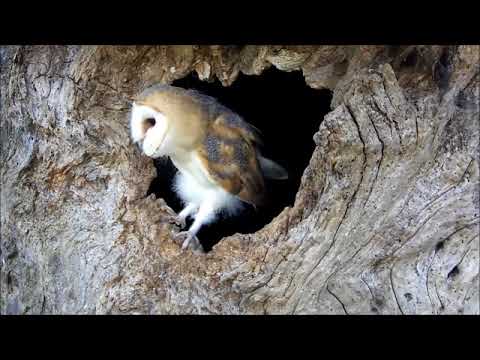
(216, 153)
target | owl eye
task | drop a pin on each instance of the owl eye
(150, 122)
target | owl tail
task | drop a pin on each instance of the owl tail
(271, 170)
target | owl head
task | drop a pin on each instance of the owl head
(166, 119)
(149, 127)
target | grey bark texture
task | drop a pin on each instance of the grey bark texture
(386, 220)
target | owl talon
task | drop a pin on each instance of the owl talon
(180, 222)
(189, 240)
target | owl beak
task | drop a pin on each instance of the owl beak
(154, 139)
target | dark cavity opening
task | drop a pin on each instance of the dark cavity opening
(443, 69)
(288, 113)
(411, 59)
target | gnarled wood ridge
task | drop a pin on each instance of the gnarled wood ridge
(386, 220)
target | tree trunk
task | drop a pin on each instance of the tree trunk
(386, 220)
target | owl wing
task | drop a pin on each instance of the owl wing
(229, 154)
(225, 117)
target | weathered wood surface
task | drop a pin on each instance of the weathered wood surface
(386, 220)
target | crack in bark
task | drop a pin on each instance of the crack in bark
(42, 311)
(386, 116)
(464, 254)
(351, 258)
(460, 229)
(346, 262)
(431, 263)
(393, 106)
(442, 306)
(359, 249)
(426, 282)
(416, 130)
(299, 264)
(368, 287)
(381, 158)
(438, 132)
(449, 189)
(474, 281)
(107, 85)
(394, 292)
(428, 292)
(416, 231)
(338, 299)
(412, 192)
(264, 283)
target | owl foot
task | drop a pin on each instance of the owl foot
(188, 239)
(179, 221)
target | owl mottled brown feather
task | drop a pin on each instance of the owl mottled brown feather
(229, 154)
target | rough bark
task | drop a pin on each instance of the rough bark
(386, 220)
